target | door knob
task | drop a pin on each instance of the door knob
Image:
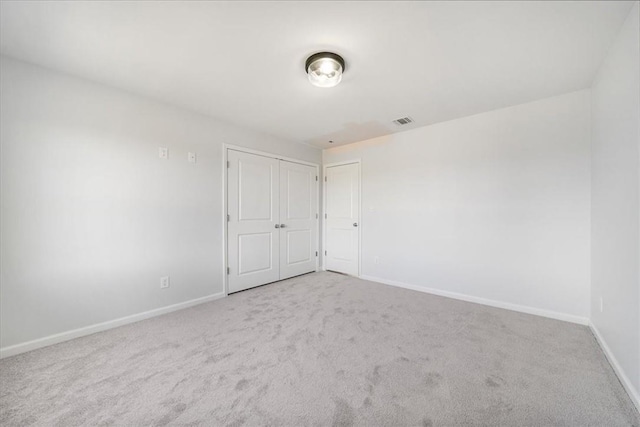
(355, 224)
(282, 226)
(277, 225)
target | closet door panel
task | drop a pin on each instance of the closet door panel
(298, 219)
(253, 208)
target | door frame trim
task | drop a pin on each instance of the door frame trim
(225, 155)
(325, 166)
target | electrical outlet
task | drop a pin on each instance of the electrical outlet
(164, 282)
(191, 157)
(163, 152)
(601, 305)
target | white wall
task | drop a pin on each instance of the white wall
(494, 206)
(615, 200)
(91, 217)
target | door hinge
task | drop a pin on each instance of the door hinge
(325, 179)
(316, 216)
(228, 217)
(316, 253)
(325, 216)
(228, 163)
(325, 253)
(316, 177)
(228, 270)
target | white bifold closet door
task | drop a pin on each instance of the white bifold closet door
(298, 219)
(272, 220)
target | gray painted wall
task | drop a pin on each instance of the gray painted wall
(493, 207)
(91, 217)
(615, 199)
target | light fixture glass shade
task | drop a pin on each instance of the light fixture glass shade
(325, 69)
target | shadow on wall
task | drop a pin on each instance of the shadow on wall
(352, 132)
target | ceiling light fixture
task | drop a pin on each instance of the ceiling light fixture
(324, 69)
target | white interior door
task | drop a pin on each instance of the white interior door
(343, 218)
(298, 219)
(253, 205)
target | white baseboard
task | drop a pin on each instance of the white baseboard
(626, 383)
(98, 327)
(478, 300)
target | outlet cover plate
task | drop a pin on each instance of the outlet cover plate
(164, 282)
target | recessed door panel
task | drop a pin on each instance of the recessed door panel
(340, 198)
(255, 182)
(253, 208)
(298, 194)
(343, 218)
(342, 241)
(254, 253)
(299, 246)
(298, 215)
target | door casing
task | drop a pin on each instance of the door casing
(225, 153)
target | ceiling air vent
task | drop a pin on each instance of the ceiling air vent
(403, 121)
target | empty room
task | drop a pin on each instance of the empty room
(320, 213)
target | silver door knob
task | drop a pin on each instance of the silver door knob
(277, 225)
(282, 226)
(355, 224)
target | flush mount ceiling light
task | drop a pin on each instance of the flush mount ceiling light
(324, 69)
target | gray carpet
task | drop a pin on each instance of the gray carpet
(322, 349)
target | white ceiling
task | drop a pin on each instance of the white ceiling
(243, 62)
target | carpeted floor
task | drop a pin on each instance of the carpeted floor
(322, 349)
